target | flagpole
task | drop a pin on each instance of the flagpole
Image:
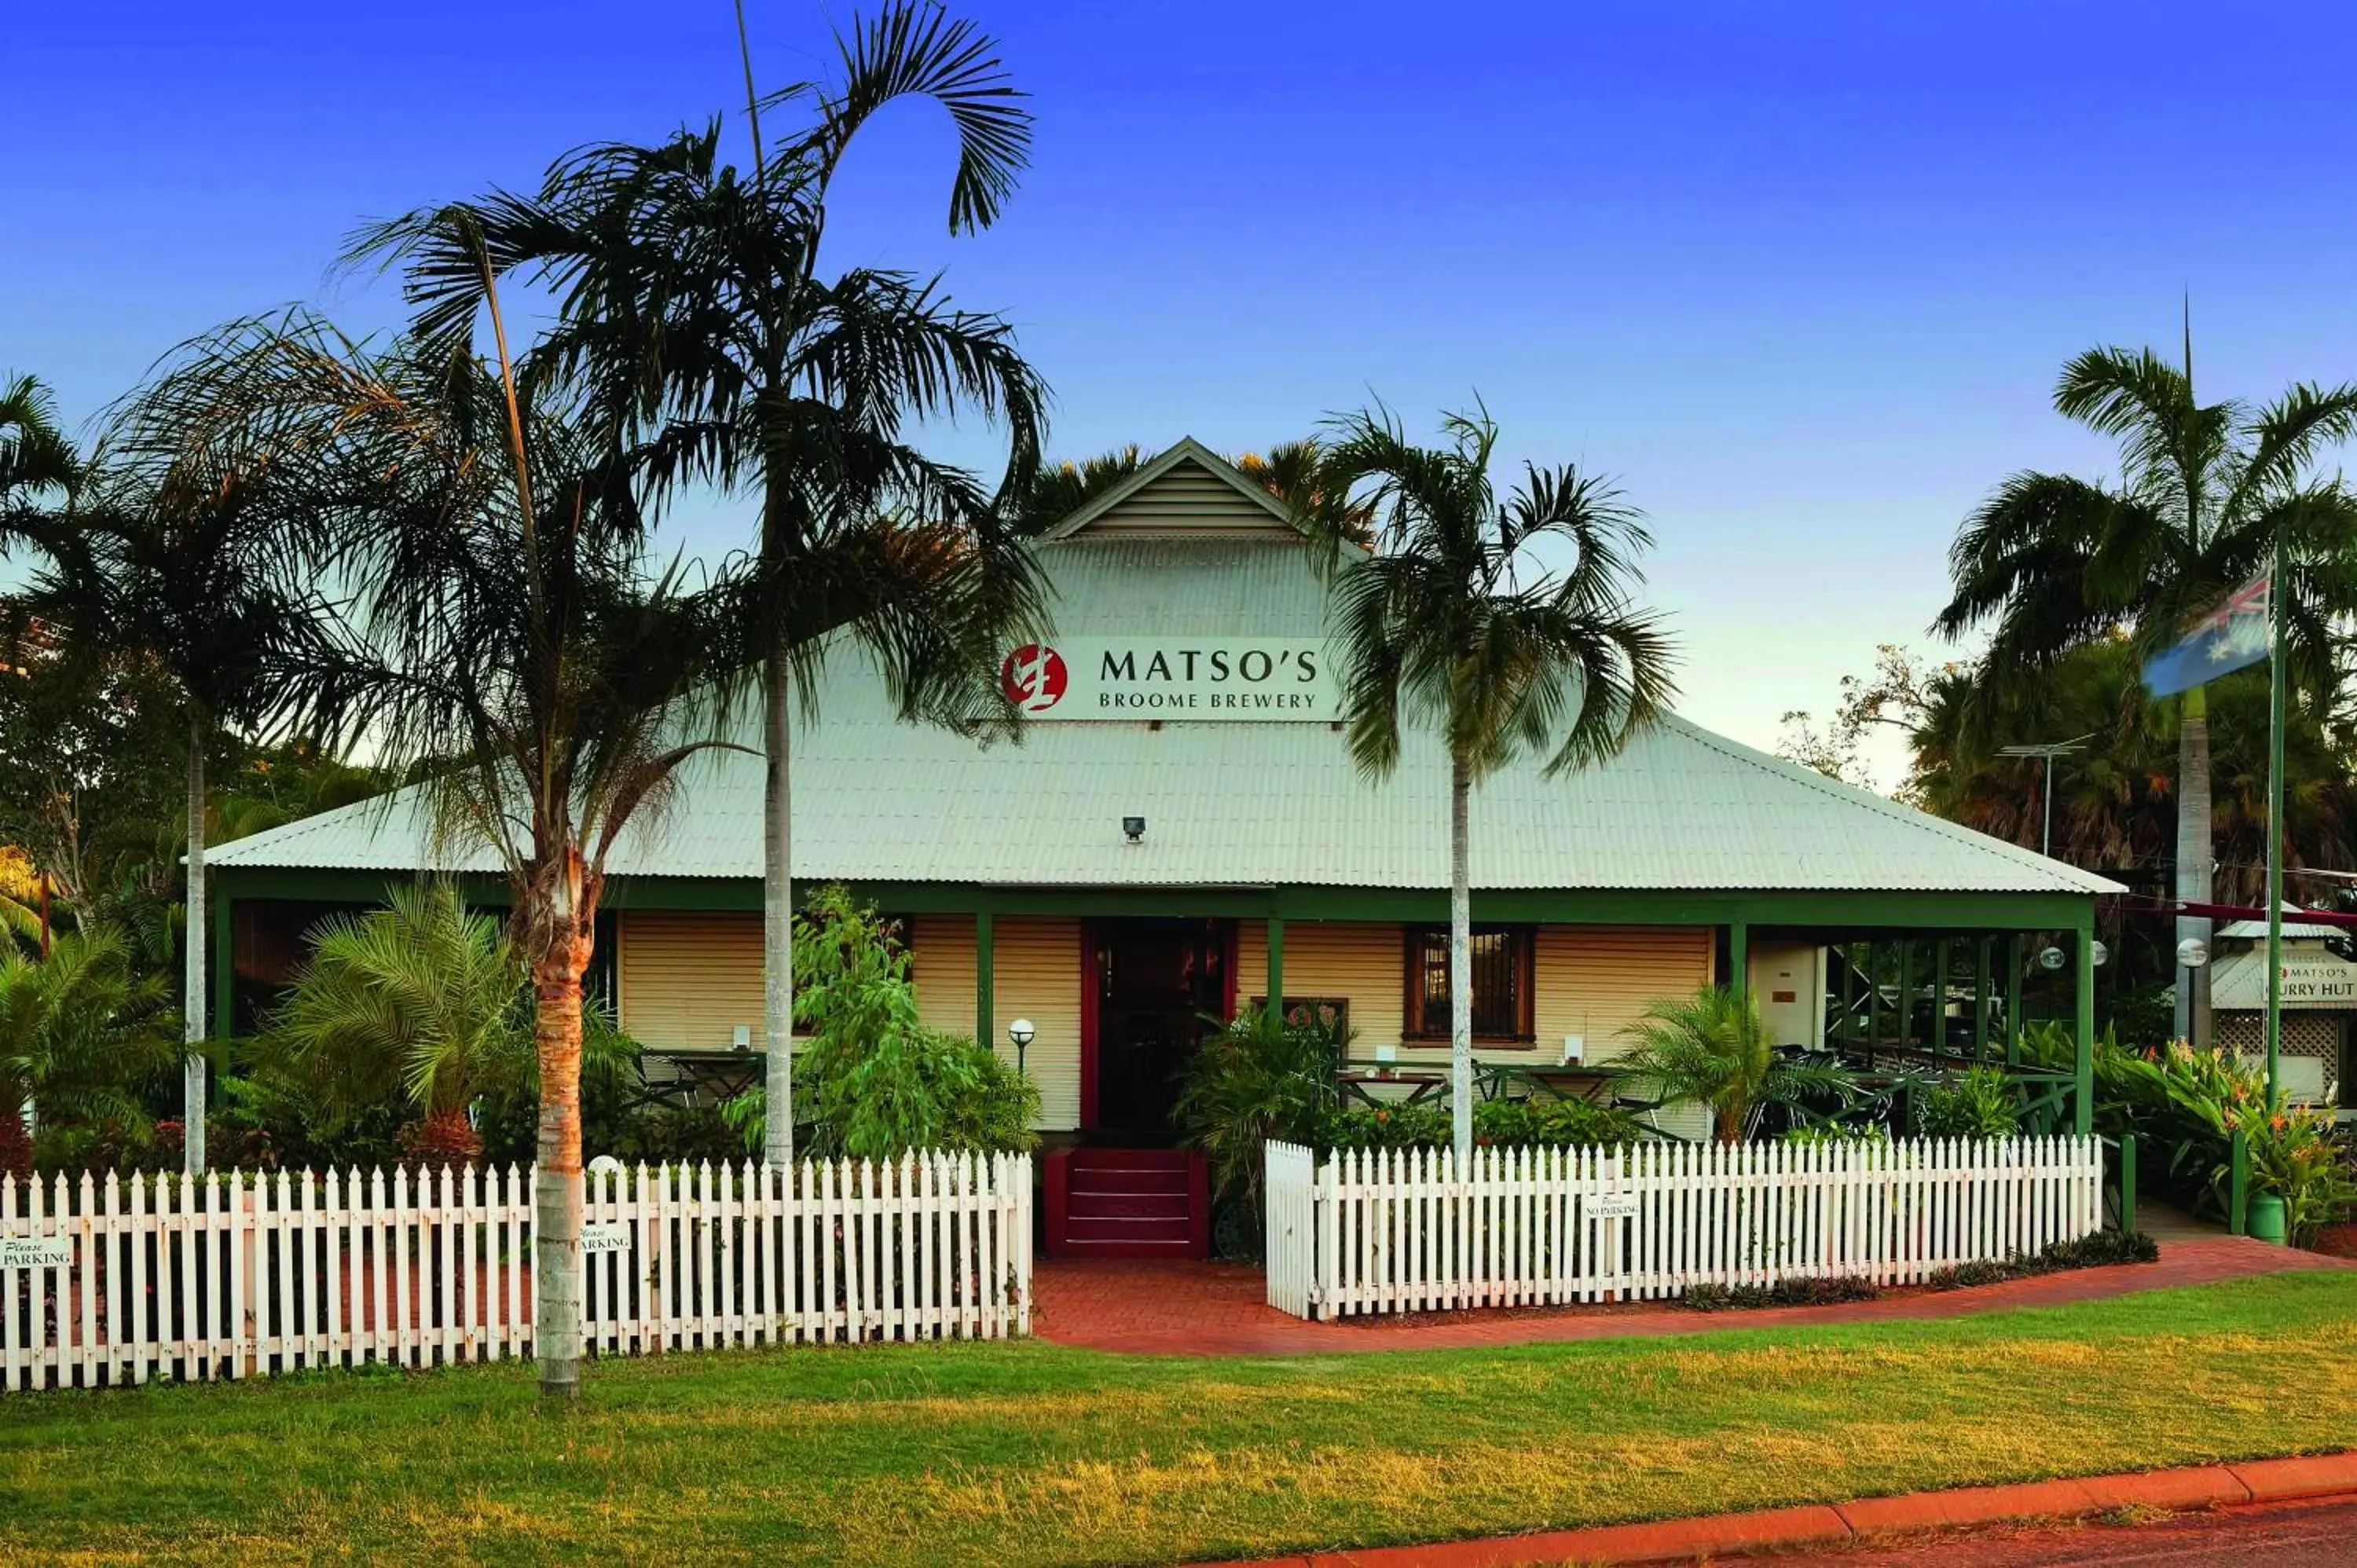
(2279, 595)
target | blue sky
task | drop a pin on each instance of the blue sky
(1798, 277)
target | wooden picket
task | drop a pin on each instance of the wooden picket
(1409, 1230)
(238, 1274)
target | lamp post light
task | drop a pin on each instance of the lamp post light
(1020, 1032)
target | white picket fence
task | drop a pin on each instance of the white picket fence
(1406, 1230)
(234, 1275)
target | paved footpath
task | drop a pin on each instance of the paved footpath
(1219, 1309)
(2253, 1522)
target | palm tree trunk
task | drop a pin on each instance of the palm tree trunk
(2193, 865)
(556, 1217)
(195, 933)
(778, 906)
(1460, 962)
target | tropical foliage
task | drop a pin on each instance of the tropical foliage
(81, 1032)
(424, 1003)
(1503, 623)
(2210, 495)
(695, 323)
(876, 1082)
(2187, 1104)
(1979, 1102)
(1258, 1076)
(1712, 1049)
(1537, 1121)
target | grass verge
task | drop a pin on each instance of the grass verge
(1033, 1452)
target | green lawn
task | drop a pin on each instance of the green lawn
(1029, 1453)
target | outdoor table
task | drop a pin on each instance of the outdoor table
(1354, 1083)
(721, 1074)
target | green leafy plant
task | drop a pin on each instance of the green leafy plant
(80, 1032)
(874, 1083)
(1259, 1077)
(1837, 1132)
(1820, 1291)
(1540, 1121)
(2296, 1154)
(1713, 1050)
(424, 1002)
(1979, 1102)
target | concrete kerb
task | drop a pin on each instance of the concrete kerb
(1719, 1535)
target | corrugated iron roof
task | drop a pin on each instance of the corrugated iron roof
(1237, 803)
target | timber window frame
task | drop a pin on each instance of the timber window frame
(1500, 952)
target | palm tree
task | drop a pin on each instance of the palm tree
(80, 1030)
(422, 1001)
(1054, 493)
(710, 349)
(1467, 615)
(1712, 1049)
(2208, 495)
(36, 460)
(182, 549)
(513, 642)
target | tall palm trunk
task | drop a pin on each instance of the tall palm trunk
(1460, 960)
(2193, 866)
(196, 932)
(778, 906)
(556, 971)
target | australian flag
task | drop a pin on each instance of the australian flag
(2228, 638)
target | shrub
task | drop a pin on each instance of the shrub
(1554, 1123)
(2187, 1104)
(874, 1082)
(1259, 1077)
(1823, 1291)
(1536, 1122)
(424, 1002)
(1978, 1102)
(1837, 1132)
(1711, 1049)
(2095, 1251)
(80, 1032)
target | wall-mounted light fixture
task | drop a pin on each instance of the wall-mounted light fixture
(1134, 828)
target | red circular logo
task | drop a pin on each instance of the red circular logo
(1034, 677)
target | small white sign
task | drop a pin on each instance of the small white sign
(35, 1252)
(604, 1236)
(1613, 1205)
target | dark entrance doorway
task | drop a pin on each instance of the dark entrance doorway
(1156, 983)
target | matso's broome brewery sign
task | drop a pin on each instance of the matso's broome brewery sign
(1214, 679)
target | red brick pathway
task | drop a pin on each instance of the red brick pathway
(1164, 1308)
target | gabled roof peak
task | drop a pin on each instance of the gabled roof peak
(1134, 506)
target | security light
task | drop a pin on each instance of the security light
(1134, 827)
